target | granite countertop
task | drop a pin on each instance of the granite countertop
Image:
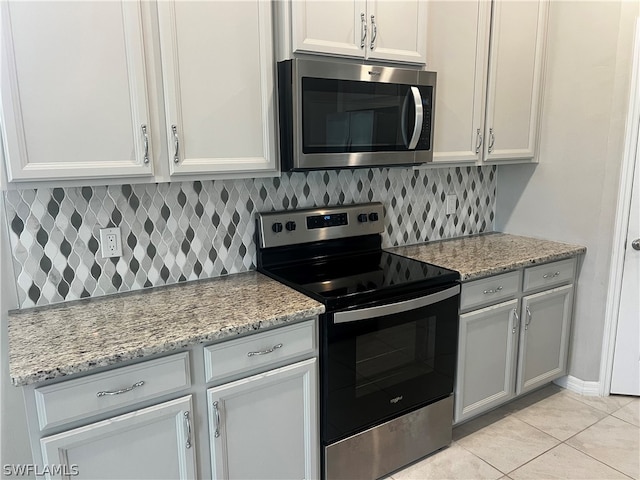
(488, 254)
(58, 340)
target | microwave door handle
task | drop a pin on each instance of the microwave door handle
(399, 307)
(417, 126)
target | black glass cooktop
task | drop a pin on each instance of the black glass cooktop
(348, 280)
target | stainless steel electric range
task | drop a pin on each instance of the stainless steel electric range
(388, 338)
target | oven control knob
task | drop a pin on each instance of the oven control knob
(362, 217)
(276, 227)
(291, 226)
(373, 216)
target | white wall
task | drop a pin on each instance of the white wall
(571, 195)
(14, 440)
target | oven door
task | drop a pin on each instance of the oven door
(385, 360)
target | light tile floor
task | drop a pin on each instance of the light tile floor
(549, 434)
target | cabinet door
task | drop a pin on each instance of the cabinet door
(218, 72)
(73, 90)
(152, 443)
(397, 30)
(265, 426)
(544, 337)
(458, 50)
(487, 348)
(331, 27)
(515, 74)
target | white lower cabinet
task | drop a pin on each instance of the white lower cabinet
(488, 344)
(265, 426)
(509, 348)
(147, 420)
(151, 443)
(544, 337)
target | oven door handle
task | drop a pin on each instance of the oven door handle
(399, 307)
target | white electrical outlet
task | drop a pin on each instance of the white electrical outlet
(452, 199)
(110, 242)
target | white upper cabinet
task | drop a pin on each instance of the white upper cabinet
(73, 90)
(489, 59)
(398, 31)
(380, 30)
(79, 82)
(218, 72)
(458, 50)
(335, 28)
(513, 94)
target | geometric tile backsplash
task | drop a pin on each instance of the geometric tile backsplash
(180, 231)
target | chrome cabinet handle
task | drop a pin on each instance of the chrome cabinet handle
(176, 144)
(264, 352)
(550, 275)
(526, 325)
(122, 390)
(492, 290)
(478, 141)
(217, 432)
(188, 422)
(517, 320)
(374, 31)
(363, 30)
(492, 139)
(145, 136)
(636, 244)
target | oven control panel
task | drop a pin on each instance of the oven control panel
(292, 227)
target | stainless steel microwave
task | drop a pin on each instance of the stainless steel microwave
(340, 115)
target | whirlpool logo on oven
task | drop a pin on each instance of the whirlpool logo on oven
(396, 399)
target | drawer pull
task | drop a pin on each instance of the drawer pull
(122, 390)
(217, 432)
(492, 290)
(264, 352)
(550, 275)
(188, 422)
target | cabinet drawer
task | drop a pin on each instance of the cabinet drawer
(549, 274)
(257, 351)
(76, 399)
(489, 290)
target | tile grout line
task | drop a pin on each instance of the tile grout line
(597, 460)
(482, 459)
(508, 414)
(589, 455)
(578, 398)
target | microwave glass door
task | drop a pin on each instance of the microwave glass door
(344, 116)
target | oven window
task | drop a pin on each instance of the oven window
(394, 355)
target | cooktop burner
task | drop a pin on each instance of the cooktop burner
(339, 279)
(334, 255)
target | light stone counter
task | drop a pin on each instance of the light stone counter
(49, 342)
(489, 254)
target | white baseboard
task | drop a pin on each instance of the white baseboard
(589, 389)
